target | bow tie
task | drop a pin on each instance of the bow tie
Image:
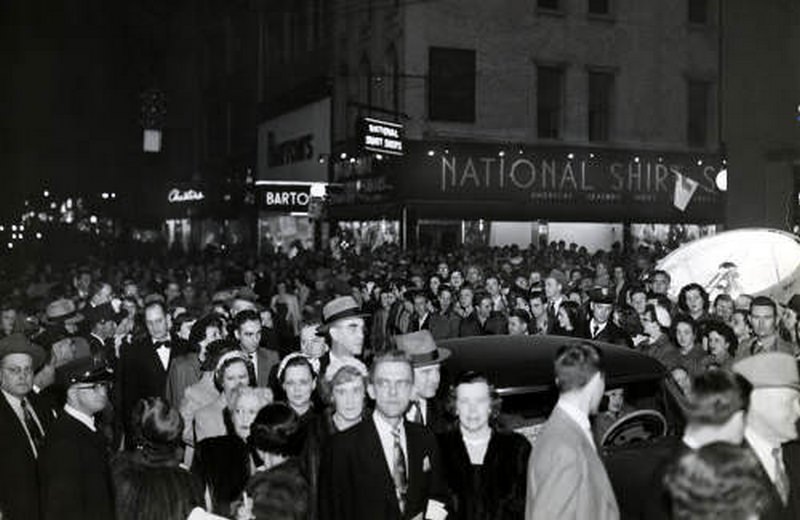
(158, 344)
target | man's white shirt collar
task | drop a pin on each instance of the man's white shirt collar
(80, 416)
(387, 439)
(579, 417)
(763, 451)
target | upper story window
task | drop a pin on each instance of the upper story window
(698, 112)
(602, 7)
(698, 11)
(601, 96)
(451, 84)
(549, 101)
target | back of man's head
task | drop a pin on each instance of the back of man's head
(575, 365)
(716, 396)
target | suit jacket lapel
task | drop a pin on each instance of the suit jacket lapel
(374, 457)
(415, 458)
(8, 416)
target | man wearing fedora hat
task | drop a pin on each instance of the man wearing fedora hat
(76, 478)
(601, 327)
(771, 427)
(24, 424)
(343, 327)
(426, 359)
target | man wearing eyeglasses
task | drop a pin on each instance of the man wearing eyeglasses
(75, 476)
(384, 468)
(24, 424)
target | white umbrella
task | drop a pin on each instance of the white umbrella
(750, 261)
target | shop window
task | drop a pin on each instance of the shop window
(602, 7)
(451, 85)
(601, 90)
(549, 101)
(698, 113)
(698, 11)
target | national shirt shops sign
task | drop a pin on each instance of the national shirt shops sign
(589, 183)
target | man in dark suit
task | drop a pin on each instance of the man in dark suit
(715, 413)
(384, 468)
(483, 321)
(425, 408)
(24, 424)
(76, 478)
(101, 321)
(247, 330)
(771, 427)
(600, 327)
(421, 317)
(144, 365)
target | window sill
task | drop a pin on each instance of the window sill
(599, 17)
(554, 13)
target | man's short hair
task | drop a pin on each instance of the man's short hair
(156, 303)
(479, 296)
(716, 396)
(763, 301)
(390, 356)
(521, 314)
(575, 365)
(661, 272)
(723, 297)
(244, 316)
(537, 295)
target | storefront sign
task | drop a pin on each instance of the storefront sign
(587, 183)
(296, 145)
(288, 198)
(177, 196)
(381, 137)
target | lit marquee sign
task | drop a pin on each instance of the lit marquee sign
(177, 196)
(381, 137)
(293, 198)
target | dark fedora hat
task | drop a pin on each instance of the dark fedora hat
(17, 343)
(62, 310)
(421, 348)
(83, 370)
(601, 295)
(339, 309)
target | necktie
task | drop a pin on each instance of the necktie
(30, 424)
(781, 478)
(595, 329)
(399, 474)
(416, 413)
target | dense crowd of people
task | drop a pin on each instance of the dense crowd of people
(308, 386)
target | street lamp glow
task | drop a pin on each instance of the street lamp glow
(104, 195)
(93, 219)
(431, 153)
(39, 236)
(13, 228)
(46, 193)
(113, 195)
(10, 245)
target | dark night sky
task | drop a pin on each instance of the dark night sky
(74, 70)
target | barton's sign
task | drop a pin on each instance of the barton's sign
(289, 198)
(595, 183)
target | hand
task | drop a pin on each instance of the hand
(245, 510)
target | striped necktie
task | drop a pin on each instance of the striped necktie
(399, 474)
(36, 434)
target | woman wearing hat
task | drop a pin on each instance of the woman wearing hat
(486, 467)
(225, 463)
(345, 396)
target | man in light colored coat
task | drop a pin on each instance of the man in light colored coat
(566, 479)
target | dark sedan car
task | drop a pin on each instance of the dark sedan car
(521, 368)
